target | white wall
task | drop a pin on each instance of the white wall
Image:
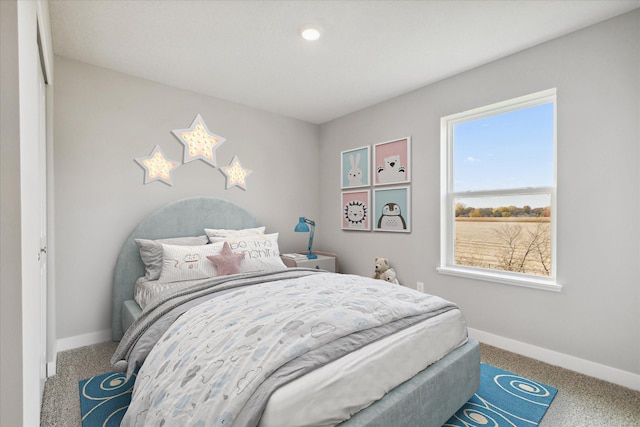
(596, 317)
(103, 121)
(10, 260)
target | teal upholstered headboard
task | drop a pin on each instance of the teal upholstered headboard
(187, 217)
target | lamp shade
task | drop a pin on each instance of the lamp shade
(301, 226)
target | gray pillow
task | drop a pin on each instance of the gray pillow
(151, 252)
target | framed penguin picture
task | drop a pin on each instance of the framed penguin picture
(392, 162)
(356, 212)
(354, 167)
(392, 209)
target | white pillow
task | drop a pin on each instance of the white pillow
(151, 252)
(262, 264)
(188, 262)
(261, 251)
(221, 232)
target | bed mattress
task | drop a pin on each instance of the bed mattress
(341, 388)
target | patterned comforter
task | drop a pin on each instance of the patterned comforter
(217, 360)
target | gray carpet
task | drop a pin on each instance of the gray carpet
(581, 401)
(61, 401)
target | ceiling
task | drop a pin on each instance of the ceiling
(249, 52)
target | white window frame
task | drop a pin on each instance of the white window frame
(448, 196)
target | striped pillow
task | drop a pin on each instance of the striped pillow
(188, 262)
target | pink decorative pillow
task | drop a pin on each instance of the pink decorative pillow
(226, 261)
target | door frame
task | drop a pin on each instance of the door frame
(45, 51)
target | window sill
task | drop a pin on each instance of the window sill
(516, 279)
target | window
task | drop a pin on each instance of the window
(498, 187)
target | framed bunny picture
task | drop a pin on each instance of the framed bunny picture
(392, 162)
(355, 167)
(356, 211)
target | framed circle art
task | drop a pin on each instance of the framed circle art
(356, 210)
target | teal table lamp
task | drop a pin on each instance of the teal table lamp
(302, 227)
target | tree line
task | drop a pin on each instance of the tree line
(525, 211)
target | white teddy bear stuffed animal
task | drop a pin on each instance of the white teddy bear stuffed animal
(382, 265)
(390, 276)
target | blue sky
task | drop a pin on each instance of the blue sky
(509, 150)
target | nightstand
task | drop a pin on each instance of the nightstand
(325, 261)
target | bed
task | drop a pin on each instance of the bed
(426, 396)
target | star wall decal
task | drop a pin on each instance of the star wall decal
(199, 142)
(236, 174)
(157, 167)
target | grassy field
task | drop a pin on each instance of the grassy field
(514, 244)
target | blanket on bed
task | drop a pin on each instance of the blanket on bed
(161, 312)
(218, 363)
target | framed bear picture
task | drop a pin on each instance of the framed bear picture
(354, 167)
(392, 209)
(392, 162)
(356, 211)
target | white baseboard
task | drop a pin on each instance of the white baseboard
(69, 343)
(586, 367)
(51, 368)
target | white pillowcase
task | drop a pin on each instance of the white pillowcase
(221, 232)
(151, 252)
(188, 262)
(261, 251)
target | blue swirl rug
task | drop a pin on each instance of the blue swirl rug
(104, 399)
(504, 399)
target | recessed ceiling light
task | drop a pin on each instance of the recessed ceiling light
(310, 32)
